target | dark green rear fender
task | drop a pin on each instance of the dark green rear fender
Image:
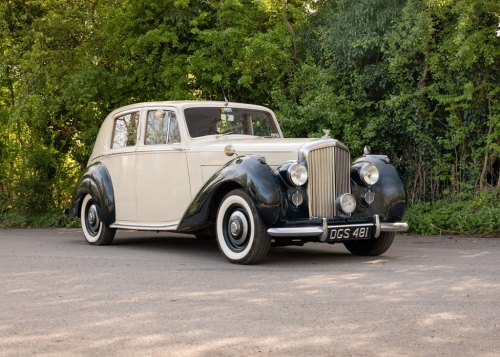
(95, 181)
(248, 172)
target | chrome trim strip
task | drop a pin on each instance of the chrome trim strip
(146, 226)
(323, 230)
(351, 225)
(311, 231)
(295, 231)
(394, 227)
(318, 144)
(377, 226)
(324, 227)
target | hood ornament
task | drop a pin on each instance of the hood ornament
(327, 134)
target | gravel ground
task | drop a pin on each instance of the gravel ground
(158, 294)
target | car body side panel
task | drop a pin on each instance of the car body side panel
(248, 172)
(95, 181)
(194, 169)
(162, 184)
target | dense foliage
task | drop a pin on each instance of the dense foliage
(415, 79)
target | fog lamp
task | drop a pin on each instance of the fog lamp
(297, 199)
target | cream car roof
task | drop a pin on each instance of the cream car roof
(180, 105)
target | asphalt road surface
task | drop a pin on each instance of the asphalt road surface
(157, 294)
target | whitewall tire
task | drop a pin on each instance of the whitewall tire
(241, 234)
(94, 231)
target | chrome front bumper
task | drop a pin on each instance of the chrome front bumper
(322, 231)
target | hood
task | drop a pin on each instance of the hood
(275, 150)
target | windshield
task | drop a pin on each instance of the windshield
(225, 121)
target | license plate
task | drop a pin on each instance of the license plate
(351, 233)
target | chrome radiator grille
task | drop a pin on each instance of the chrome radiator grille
(329, 176)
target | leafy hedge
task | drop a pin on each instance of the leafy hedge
(480, 215)
(14, 219)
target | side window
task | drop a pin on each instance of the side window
(125, 131)
(162, 128)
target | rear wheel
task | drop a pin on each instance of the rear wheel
(373, 246)
(241, 233)
(95, 231)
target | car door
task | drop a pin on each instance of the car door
(119, 158)
(162, 177)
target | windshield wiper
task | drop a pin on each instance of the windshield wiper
(228, 132)
(270, 136)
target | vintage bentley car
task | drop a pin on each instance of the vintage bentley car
(224, 171)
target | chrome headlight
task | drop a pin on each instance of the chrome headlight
(346, 203)
(369, 174)
(297, 174)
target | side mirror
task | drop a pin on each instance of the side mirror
(229, 150)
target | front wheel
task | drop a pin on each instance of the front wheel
(95, 231)
(373, 246)
(241, 234)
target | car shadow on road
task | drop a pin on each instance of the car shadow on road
(311, 253)
(160, 242)
(319, 254)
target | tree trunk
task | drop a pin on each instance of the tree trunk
(292, 32)
(482, 178)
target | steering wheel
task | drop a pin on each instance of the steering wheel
(195, 135)
(232, 130)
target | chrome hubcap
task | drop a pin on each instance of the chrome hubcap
(237, 226)
(92, 218)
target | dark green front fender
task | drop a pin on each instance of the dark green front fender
(390, 191)
(248, 172)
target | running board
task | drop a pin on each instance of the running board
(146, 226)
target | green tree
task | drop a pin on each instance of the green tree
(67, 64)
(444, 59)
